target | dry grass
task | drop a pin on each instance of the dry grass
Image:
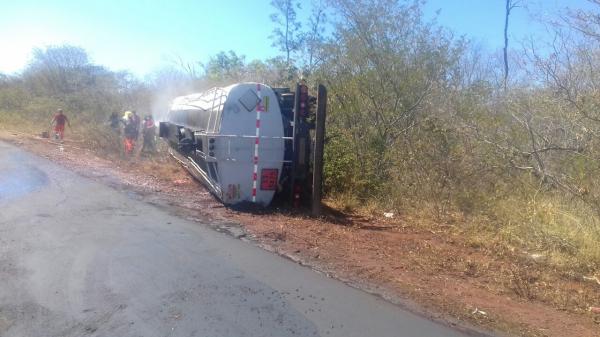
(548, 245)
(564, 232)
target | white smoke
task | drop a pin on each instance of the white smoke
(167, 84)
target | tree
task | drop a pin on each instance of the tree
(58, 68)
(510, 5)
(4, 79)
(313, 38)
(586, 22)
(225, 67)
(383, 66)
(272, 71)
(286, 34)
(191, 69)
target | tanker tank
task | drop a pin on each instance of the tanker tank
(231, 139)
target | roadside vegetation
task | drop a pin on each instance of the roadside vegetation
(421, 123)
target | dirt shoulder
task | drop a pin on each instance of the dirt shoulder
(431, 268)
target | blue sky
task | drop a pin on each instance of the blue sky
(142, 36)
(483, 20)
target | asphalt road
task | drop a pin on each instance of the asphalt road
(78, 258)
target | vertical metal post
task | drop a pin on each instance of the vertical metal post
(294, 143)
(318, 150)
(296, 109)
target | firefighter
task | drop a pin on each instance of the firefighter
(59, 122)
(136, 122)
(130, 134)
(149, 134)
(113, 121)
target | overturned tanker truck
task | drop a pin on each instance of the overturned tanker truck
(249, 142)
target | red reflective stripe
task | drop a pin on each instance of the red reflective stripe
(259, 108)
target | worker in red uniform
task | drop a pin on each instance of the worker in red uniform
(130, 131)
(149, 134)
(59, 122)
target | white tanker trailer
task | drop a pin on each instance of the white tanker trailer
(245, 142)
